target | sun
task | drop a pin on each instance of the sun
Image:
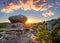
(29, 21)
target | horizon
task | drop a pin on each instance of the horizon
(35, 10)
(31, 22)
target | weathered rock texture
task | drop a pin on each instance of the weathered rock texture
(17, 18)
(17, 33)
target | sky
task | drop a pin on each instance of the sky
(37, 10)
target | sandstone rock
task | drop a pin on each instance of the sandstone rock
(17, 18)
(15, 37)
(15, 27)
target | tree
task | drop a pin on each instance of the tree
(56, 33)
(42, 33)
(58, 19)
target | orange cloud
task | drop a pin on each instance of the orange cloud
(49, 13)
(44, 0)
(6, 10)
(10, 8)
(28, 5)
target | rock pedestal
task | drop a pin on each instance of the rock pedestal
(17, 32)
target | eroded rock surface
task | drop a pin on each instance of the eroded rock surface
(17, 18)
(17, 33)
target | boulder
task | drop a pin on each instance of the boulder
(17, 18)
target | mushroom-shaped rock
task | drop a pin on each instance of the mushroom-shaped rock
(17, 18)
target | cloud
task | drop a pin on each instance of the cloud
(58, 3)
(45, 15)
(36, 5)
(44, 0)
(48, 13)
(10, 8)
(26, 5)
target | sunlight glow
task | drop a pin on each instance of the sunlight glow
(29, 21)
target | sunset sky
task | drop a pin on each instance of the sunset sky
(37, 10)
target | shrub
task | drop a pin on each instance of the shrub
(56, 33)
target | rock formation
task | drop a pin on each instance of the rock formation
(17, 18)
(16, 31)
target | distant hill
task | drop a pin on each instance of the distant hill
(3, 25)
